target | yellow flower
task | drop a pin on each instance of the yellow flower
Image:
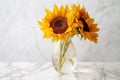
(57, 23)
(89, 30)
(85, 25)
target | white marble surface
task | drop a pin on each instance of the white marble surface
(45, 71)
(21, 39)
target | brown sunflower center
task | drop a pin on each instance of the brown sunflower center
(59, 25)
(86, 28)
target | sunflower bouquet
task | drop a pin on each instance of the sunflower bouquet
(63, 23)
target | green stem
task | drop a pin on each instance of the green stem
(66, 45)
(63, 48)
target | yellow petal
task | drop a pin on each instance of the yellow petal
(75, 11)
(63, 38)
(93, 28)
(55, 11)
(55, 38)
(78, 6)
(61, 11)
(66, 9)
(42, 24)
(90, 21)
(47, 35)
(49, 16)
(48, 12)
(82, 10)
(70, 18)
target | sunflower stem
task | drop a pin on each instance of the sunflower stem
(63, 48)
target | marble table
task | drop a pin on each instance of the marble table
(45, 71)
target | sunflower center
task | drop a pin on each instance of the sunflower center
(86, 28)
(59, 25)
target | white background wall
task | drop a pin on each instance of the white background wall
(21, 39)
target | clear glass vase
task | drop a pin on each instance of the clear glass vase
(64, 57)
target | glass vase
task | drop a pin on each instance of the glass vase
(64, 57)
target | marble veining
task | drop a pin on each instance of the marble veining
(45, 71)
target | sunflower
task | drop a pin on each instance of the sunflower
(85, 25)
(57, 23)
